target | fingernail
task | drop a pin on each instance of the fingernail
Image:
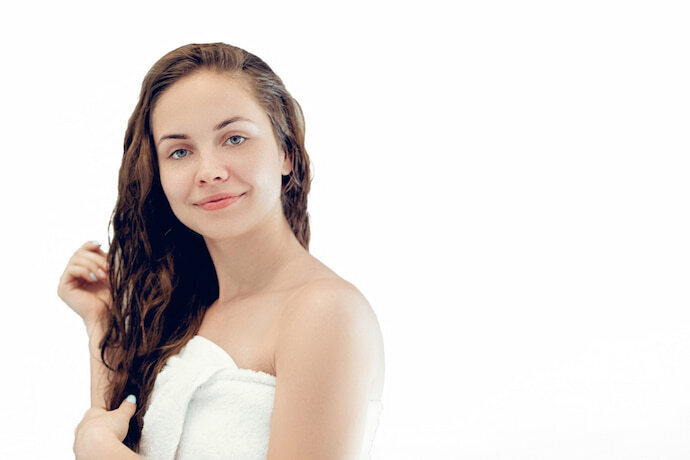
(96, 243)
(132, 399)
(93, 276)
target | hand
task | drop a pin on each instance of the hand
(98, 425)
(89, 298)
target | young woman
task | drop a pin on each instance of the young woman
(208, 306)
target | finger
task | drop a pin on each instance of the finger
(91, 250)
(85, 273)
(95, 255)
(95, 260)
(122, 414)
(91, 246)
(81, 271)
(129, 406)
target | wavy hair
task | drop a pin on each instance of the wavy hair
(162, 277)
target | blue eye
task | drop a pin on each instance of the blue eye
(234, 140)
(236, 137)
(178, 150)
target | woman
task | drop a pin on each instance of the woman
(208, 306)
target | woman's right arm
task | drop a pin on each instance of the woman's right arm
(99, 372)
(84, 287)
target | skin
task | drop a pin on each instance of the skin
(328, 351)
(250, 242)
(100, 433)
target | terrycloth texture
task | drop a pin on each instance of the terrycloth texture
(204, 407)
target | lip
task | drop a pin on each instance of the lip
(220, 204)
(217, 197)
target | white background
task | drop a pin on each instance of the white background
(506, 182)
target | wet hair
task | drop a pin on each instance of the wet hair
(162, 277)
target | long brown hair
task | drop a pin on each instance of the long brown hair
(162, 277)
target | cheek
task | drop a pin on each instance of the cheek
(171, 187)
(165, 184)
(265, 172)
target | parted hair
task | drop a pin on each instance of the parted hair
(162, 278)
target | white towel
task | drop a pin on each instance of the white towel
(204, 407)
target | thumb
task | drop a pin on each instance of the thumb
(128, 406)
(122, 417)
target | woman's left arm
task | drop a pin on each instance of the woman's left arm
(100, 433)
(325, 365)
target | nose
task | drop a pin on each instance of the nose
(211, 170)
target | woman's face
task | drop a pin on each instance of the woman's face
(200, 154)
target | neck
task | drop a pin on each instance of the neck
(256, 260)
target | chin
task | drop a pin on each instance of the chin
(220, 231)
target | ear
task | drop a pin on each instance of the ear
(286, 168)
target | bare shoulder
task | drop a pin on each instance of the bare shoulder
(326, 372)
(332, 311)
(328, 299)
(322, 291)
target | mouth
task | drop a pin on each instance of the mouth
(220, 203)
(218, 197)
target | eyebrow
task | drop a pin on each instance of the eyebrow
(219, 126)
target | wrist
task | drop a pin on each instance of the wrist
(94, 328)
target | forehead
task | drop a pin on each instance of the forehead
(203, 99)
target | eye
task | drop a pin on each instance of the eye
(235, 140)
(178, 150)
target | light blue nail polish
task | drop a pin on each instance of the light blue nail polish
(93, 276)
(96, 243)
(132, 399)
